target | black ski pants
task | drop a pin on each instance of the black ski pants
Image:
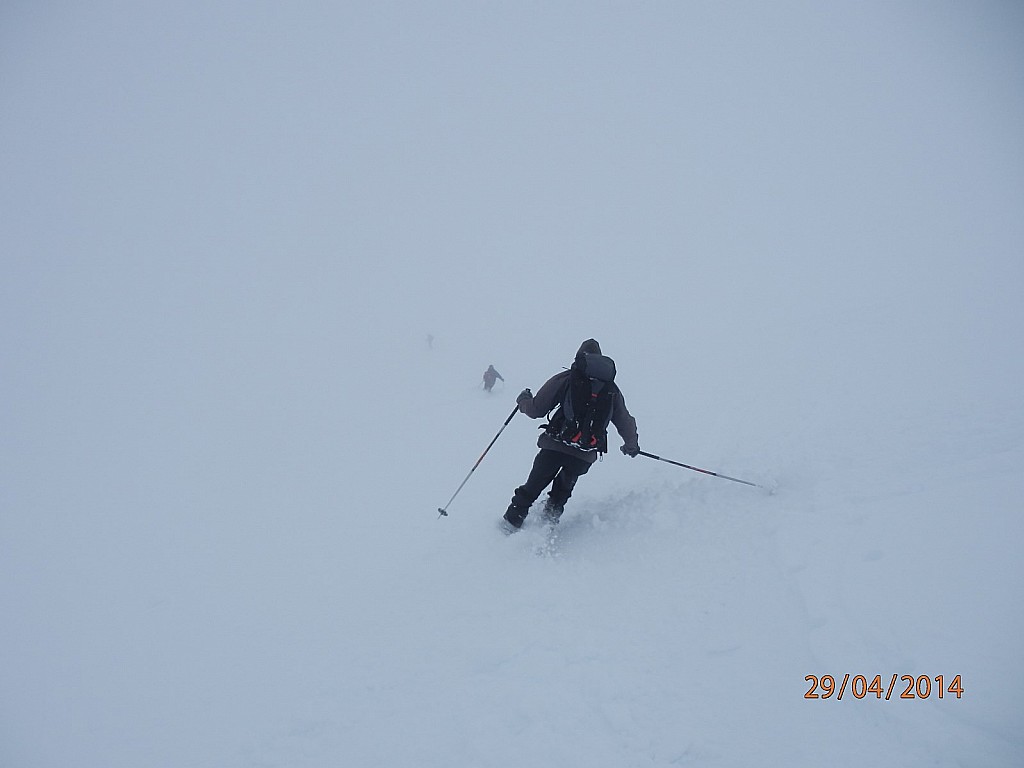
(554, 468)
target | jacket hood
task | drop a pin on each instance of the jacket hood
(589, 347)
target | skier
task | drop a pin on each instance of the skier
(587, 400)
(490, 377)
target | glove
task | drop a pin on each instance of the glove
(631, 450)
(526, 394)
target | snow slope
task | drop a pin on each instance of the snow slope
(673, 624)
(224, 438)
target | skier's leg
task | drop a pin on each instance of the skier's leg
(564, 483)
(545, 466)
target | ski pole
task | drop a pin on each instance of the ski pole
(444, 510)
(698, 469)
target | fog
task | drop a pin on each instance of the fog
(229, 230)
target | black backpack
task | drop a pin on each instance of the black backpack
(581, 419)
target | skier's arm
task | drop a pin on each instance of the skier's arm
(547, 397)
(625, 425)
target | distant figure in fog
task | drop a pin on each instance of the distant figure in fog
(430, 341)
(490, 377)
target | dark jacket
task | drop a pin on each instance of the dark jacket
(550, 395)
(491, 376)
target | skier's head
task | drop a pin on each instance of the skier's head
(588, 347)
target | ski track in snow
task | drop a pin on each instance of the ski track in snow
(659, 623)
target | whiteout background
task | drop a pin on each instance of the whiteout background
(228, 229)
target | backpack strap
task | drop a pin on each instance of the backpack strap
(579, 422)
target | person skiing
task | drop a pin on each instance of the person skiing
(490, 377)
(585, 400)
